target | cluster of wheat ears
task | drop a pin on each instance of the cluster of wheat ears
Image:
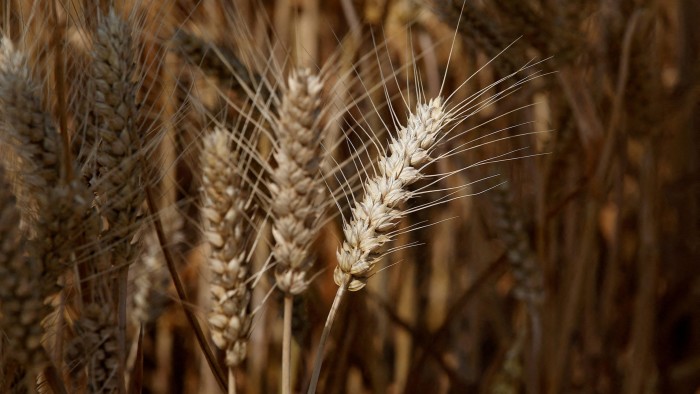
(147, 156)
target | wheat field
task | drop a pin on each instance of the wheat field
(349, 196)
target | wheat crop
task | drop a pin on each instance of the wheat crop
(379, 196)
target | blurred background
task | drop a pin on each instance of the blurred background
(573, 269)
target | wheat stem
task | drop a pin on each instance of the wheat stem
(59, 76)
(181, 293)
(231, 381)
(339, 295)
(287, 345)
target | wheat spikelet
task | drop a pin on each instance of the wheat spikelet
(379, 210)
(296, 189)
(223, 211)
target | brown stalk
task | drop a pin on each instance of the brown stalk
(59, 76)
(54, 380)
(182, 295)
(136, 375)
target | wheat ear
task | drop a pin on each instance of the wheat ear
(22, 307)
(296, 188)
(113, 115)
(151, 278)
(529, 281)
(224, 208)
(297, 193)
(53, 210)
(218, 62)
(379, 210)
(28, 130)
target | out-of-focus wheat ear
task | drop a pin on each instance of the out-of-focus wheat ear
(22, 307)
(94, 348)
(537, 27)
(119, 173)
(296, 188)
(476, 25)
(52, 210)
(27, 130)
(224, 206)
(529, 281)
(151, 277)
(214, 61)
